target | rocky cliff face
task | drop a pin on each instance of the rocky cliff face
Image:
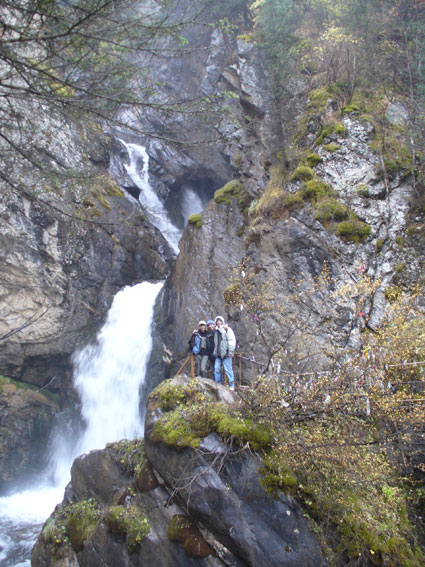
(285, 243)
(187, 503)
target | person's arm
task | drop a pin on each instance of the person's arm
(231, 341)
(197, 345)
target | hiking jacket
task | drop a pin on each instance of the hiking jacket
(210, 344)
(224, 342)
(201, 344)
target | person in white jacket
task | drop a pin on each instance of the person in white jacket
(224, 348)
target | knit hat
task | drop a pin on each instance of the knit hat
(210, 322)
(219, 317)
(201, 323)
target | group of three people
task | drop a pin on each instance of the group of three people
(214, 343)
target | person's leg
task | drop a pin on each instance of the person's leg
(217, 371)
(197, 365)
(211, 362)
(204, 364)
(228, 368)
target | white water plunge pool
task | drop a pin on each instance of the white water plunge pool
(108, 377)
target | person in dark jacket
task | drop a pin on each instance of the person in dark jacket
(210, 343)
(200, 350)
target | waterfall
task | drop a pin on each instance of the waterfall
(191, 203)
(148, 198)
(108, 377)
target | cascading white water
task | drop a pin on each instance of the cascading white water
(149, 199)
(191, 203)
(108, 377)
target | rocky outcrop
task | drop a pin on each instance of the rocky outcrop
(25, 421)
(232, 130)
(287, 244)
(201, 505)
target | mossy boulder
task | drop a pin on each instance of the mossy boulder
(193, 411)
(130, 522)
(330, 209)
(313, 159)
(218, 481)
(231, 189)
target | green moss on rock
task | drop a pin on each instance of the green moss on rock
(180, 528)
(319, 97)
(327, 130)
(363, 190)
(176, 430)
(379, 244)
(82, 522)
(330, 209)
(72, 524)
(353, 230)
(170, 395)
(350, 108)
(293, 200)
(130, 454)
(196, 220)
(313, 159)
(131, 523)
(183, 530)
(276, 475)
(331, 147)
(231, 189)
(242, 429)
(192, 414)
(302, 173)
(316, 189)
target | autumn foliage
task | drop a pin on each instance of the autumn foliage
(349, 427)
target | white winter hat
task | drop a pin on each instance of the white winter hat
(219, 317)
(201, 323)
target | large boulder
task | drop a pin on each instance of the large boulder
(220, 487)
(115, 513)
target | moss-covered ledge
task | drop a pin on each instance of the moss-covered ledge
(191, 409)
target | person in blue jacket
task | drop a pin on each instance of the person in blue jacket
(200, 349)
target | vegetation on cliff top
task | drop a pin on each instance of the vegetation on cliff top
(367, 57)
(190, 414)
